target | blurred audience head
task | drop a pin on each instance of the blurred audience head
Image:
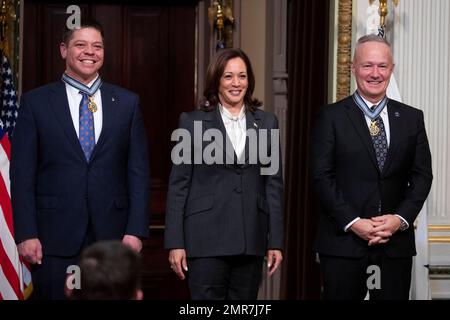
(109, 270)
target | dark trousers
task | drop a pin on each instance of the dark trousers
(49, 278)
(350, 278)
(224, 278)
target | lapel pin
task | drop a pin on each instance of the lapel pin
(112, 99)
(255, 125)
(397, 114)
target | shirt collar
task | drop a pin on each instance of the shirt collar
(228, 115)
(370, 104)
(74, 92)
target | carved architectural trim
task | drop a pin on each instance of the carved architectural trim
(344, 49)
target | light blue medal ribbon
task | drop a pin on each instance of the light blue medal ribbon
(372, 114)
(89, 91)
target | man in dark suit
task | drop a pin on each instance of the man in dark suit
(371, 166)
(224, 216)
(79, 165)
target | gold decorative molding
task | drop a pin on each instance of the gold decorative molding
(344, 54)
(443, 239)
(439, 272)
(440, 238)
(9, 33)
(157, 227)
(438, 228)
(7, 20)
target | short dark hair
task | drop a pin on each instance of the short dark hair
(215, 72)
(87, 23)
(109, 270)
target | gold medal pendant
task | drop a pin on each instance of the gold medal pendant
(92, 106)
(374, 129)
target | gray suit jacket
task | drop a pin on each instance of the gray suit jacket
(225, 209)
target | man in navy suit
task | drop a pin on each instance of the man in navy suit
(79, 165)
(371, 166)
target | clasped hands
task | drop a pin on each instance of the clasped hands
(377, 229)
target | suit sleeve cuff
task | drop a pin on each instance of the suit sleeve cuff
(351, 223)
(405, 224)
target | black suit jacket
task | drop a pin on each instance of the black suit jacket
(349, 184)
(224, 209)
(56, 193)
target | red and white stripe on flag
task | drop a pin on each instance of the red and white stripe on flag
(15, 276)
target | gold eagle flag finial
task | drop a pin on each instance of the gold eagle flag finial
(383, 10)
(220, 15)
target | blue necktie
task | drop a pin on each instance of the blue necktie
(86, 130)
(380, 143)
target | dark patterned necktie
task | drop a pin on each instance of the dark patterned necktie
(86, 130)
(380, 142)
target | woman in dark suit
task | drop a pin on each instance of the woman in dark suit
(224, 208)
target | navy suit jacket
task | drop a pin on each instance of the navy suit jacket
(224, 209)
(56, 193)
(349, 184)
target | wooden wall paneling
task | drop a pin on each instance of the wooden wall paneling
(110, 17)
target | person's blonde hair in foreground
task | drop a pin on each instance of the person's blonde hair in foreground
(109, 270)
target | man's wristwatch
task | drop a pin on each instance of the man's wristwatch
(403, 225)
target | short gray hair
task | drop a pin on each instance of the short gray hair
(371, 38)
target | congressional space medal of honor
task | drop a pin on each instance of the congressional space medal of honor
(92, 106)
(89, 91)
(374, 129)
(372, 113)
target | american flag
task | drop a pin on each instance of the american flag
(15, 276)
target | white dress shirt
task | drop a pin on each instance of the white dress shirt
(236, 127)
(74, 98)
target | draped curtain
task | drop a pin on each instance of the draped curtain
(307, 91)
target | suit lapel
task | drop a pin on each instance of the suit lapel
(217, 123)
(253, 122)
(396, 128)
(60, 106)
(109, 101)
(212, 120)
(359, 122)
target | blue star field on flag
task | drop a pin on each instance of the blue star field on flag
(8, 98)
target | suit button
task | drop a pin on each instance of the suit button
(239, 171)
(238, 190)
